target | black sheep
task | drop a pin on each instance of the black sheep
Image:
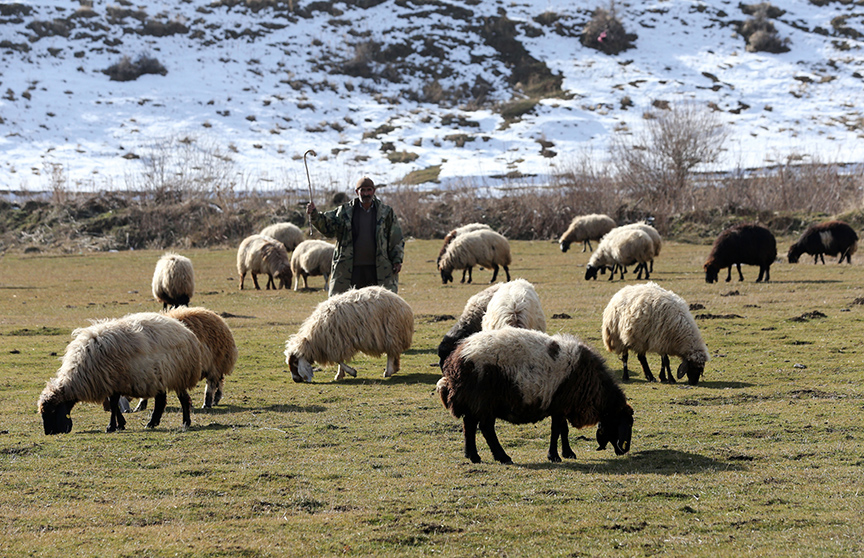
(745, 243)
(830, 237)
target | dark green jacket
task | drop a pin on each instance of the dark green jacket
(389, 244)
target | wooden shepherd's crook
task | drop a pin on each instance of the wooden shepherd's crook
(309, 180)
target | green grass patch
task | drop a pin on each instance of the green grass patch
(422, 176)
(764, 454)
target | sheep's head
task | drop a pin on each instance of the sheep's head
(446, 275)
(711, 273)
(591, 272)
(301, 369)
(564, 246)
(56, 417)
(285, 277)
(692, 370)
(616, 429)
(794, 253)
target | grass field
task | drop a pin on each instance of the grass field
(763, 457)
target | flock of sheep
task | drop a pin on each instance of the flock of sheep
(497, 362)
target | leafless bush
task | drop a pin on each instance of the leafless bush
(127, 70)
(657, 165)
(760, 33)
(606, 33)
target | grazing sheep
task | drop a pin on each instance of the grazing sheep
(218, 349)
(448, 238)
(485, 248)
(523, 376)
(371, 320)
(745, 243)
(311, 257)
(830, 237)
(140, 355)
(173, 281)
(288, 234)
(262, 254)
(516, 304)
(469, 322)
(648, 318)
(619, 248)
(584, 229)
(655, 238)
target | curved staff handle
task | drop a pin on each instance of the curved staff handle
(309, 180)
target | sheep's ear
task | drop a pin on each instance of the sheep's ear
(682, 369)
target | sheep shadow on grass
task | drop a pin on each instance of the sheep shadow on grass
(655, 462)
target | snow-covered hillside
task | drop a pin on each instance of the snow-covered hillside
(259, 82)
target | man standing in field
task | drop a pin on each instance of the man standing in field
(369, 243)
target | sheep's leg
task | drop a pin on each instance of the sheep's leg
(651, 263)
(469, 428)
(587, 244)
(487, 427)
(270, 282)
(255, 281)
(764, 271)
(822, 257)
(507, 272)
(305, 280)
(158, 409)
(644, 362)
(142, 404)
(666, 370)
(392, 366)
(186, 407)
(242, 279)
(626, 376)
(212, 393)
(494, 273)
(345, 369)
(740, 275)
(464, 271)
(117, 421)
(559, 428)
(729, 274)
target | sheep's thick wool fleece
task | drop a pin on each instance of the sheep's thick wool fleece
(389, 244)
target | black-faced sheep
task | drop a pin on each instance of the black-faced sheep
(619, 248)
(648, 318)
(311, 257)
(485, 248)
(139, 355)
(745, 243)
(516, 304)
(831, 237)
(288, 234)
(523, 376)
(469, 323)
(263, 254)
(448, 238)
(218, 349)
(371, 320)
(173, 281)
(584, 229)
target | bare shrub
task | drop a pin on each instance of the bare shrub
(760, 33)
(606, 33)
(127, 70)
(657, 165)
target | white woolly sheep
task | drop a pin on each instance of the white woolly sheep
(469, 322)
(648, 318)
(140, 355)
(371, 320)
(311, 257)
(516, 304)
(622, 247)
(173, 281)
(485, 248)
(655, 238)
(262, 254)
(523, 376)
(448, 238)
(218, 349)
(584, 229)
(288, 234)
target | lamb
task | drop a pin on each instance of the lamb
(448, 238)
(830, 237)
(371, 320)
(262, 254)
(745, 243)
(585, 228)
(141, 355)
(523, 376)
(485, 248)
(173, 281)
(622, 247)
(515, 304)
(288, 234)
(218, 349)
(311, 257)
(647, 317)
(469, 322)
